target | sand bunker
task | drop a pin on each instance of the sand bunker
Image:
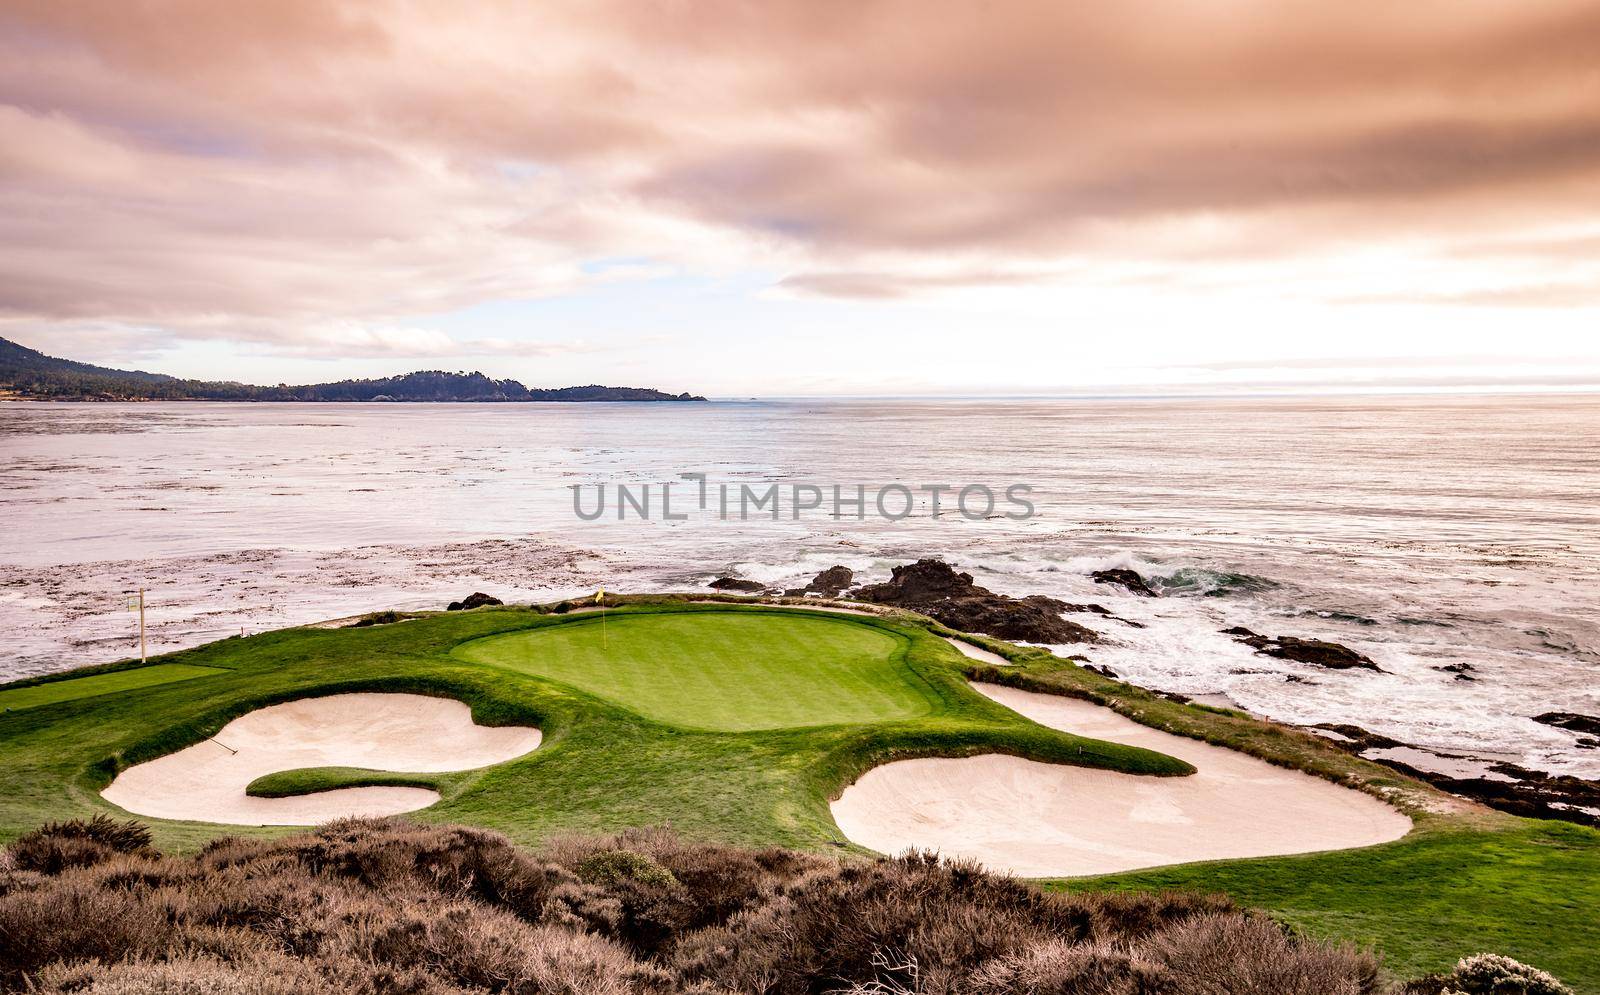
(391, 732)
(1041, 820)
(972, 652)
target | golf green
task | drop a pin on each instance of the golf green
(727, 672)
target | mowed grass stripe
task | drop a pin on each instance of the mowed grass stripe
(50, 692)
(732, 672)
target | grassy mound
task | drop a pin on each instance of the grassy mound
(372, 907)
(728, 672)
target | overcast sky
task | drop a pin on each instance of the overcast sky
(808, 197)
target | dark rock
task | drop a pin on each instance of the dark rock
(735, 584)
(1529, 793)
(376, 618)
(1125, 578)
(1357, 739)
(1463, 671)
(1102, 670)
(937, 590)
(1571, 720)
(1313, 651)
(830, 583)
(476, 599)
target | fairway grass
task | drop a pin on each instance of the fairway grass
(50, 692)
(726, 672)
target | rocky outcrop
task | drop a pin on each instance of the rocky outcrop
(936, 589)
(476, 599)
(736, 584)
(1588, 724)
(830, 583)
(1313, 651)
(1129, 579)
(1505, 786)
(1463, 671)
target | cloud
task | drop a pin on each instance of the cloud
(267, 170)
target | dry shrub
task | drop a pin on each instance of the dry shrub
(77, 843)
(1249, 955)
(1489, 974)
(945, 917)
(1069, 969)
(370, 907)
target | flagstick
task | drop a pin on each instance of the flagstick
(142, 657)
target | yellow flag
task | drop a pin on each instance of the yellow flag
(600, 595)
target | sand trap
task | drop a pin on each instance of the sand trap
(978, 652)
(391, 732)
(1041, 820)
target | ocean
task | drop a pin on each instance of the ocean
(1423, 531)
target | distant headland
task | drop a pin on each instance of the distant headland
(31, 375)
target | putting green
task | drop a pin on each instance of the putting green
(50, 692)
(729, 672)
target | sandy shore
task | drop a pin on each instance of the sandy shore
(390, 732)
(1041, 820)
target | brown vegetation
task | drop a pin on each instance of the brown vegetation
(385, 906)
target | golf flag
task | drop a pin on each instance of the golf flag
(599, 595)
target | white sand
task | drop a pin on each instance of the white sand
(978, 652)
(1042, 820)
(390, 732)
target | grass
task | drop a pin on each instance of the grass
(1529, 891)
(737, 724)
(728, 672)
(52, 691)
(287, 783)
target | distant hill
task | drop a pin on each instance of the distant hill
(29, 373)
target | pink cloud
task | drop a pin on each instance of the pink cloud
(260, 169)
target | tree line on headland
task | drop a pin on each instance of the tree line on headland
(28, 373)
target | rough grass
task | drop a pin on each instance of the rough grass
(1530, 891)
(386, 907)
(50, 692)
(726, 672)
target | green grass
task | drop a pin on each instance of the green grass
(729, 672)
(287, 783)
(53, 691)
(1531, 891)
(737, 724)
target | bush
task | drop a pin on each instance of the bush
(370, 907)
(76, 843)
(612, 866)
(1489, 974)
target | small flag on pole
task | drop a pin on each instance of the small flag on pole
(600, 596)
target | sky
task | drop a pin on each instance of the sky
(798, 197)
